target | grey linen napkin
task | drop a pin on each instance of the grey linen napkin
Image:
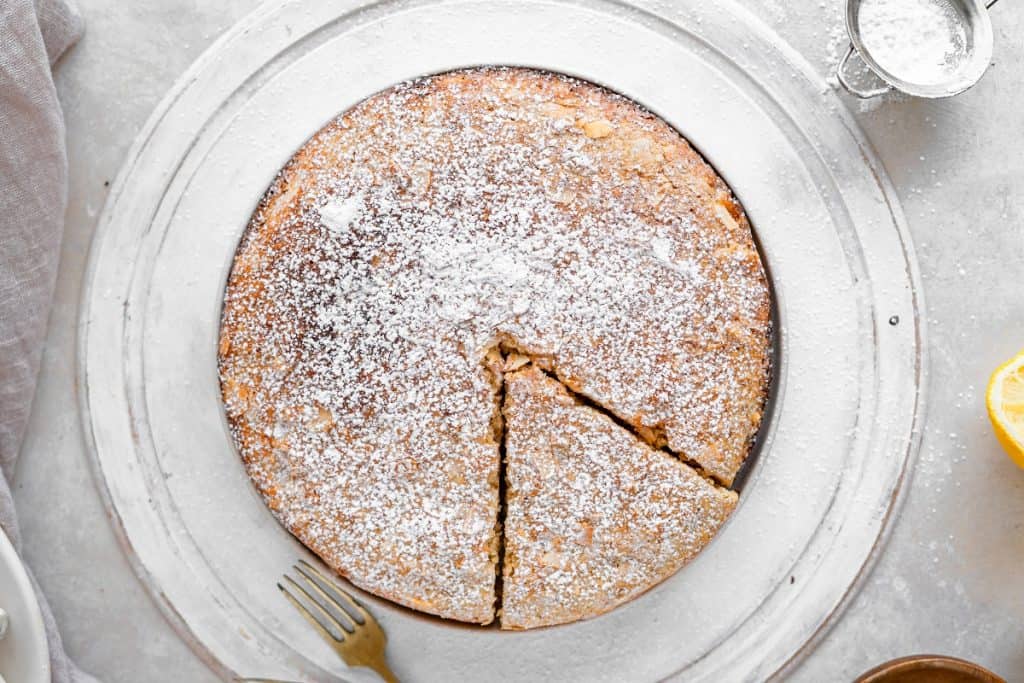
(33, 195)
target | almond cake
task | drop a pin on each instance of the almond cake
(478, 233)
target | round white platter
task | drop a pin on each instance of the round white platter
(24, 654)
(841, 436)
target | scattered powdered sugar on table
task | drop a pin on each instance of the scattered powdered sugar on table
(838, 37)
(919, 41)
(418, 231)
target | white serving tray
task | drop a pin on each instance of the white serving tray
(842, 433)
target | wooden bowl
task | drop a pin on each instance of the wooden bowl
(929, 669)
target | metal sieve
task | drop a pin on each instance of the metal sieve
(978, 30)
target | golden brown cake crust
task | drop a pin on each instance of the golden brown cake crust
(415, 232)
(595, 516)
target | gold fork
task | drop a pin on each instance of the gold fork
(347, 627)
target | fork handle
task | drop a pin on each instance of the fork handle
(382, 669)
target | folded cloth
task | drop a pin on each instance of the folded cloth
(33, 195)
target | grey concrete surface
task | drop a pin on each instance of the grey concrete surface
(950, 580)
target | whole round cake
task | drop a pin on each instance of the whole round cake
(495, 344)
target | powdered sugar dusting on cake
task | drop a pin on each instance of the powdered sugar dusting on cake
(338, 214)
(416, 232)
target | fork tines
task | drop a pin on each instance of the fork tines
(323, 602)
(348, 628)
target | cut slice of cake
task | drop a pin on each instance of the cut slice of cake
(594, 515)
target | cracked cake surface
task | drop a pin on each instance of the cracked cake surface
(427, 226)
(595, 516)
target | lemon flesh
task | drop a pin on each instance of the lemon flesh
(1005, 402)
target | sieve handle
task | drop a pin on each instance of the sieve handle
(850, 87)
(988, 5)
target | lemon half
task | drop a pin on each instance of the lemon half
(1005, 402)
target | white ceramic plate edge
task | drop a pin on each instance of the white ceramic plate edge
(29, 661)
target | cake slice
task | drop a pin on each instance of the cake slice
(594, 515)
